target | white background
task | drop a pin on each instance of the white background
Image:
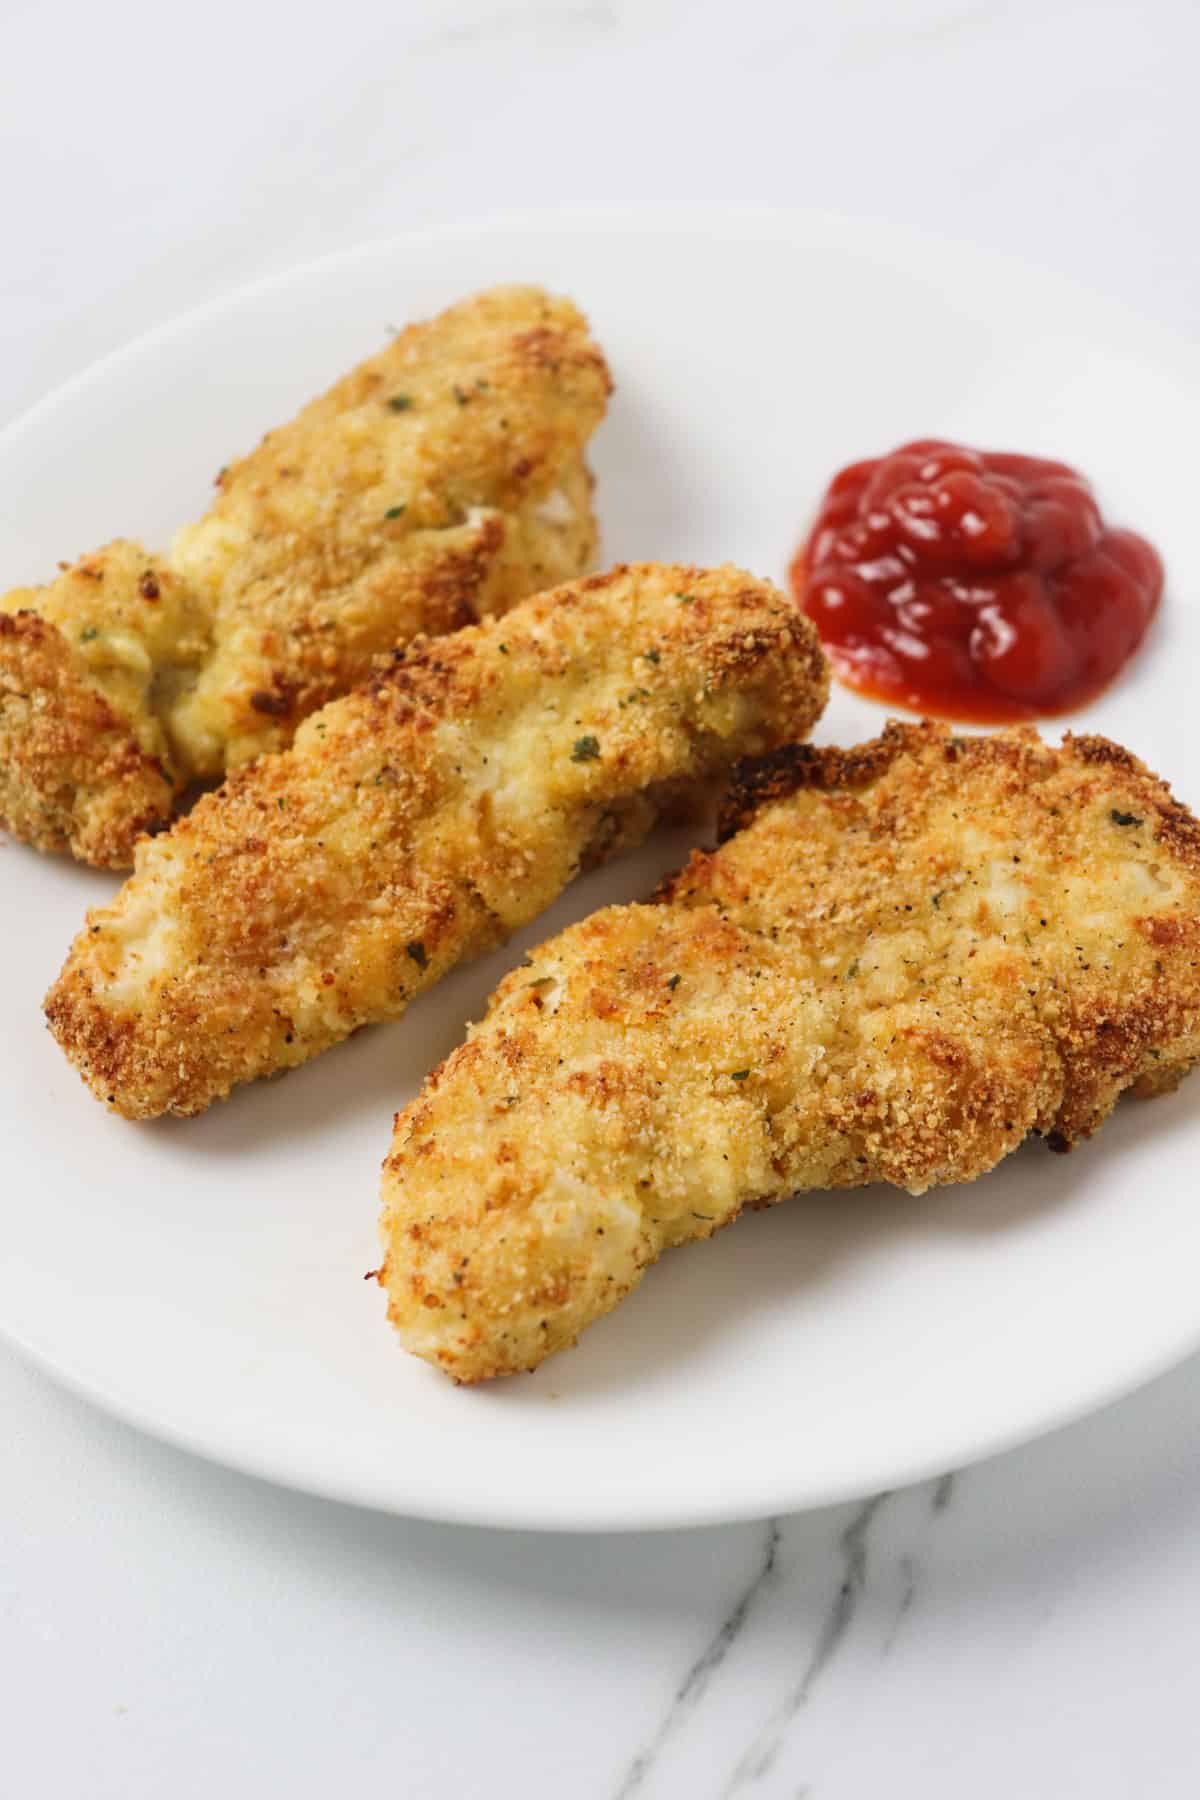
(167, 1627)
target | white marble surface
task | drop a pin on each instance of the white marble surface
(1030, 1627)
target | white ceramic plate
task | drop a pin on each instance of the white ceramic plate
(205, 1278)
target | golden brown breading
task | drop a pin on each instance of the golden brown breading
(438, 483)
(909, 957)
(84, 760)
(419, 821)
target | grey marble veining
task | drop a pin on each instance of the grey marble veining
(845, 1579)
(695, 1683)
(850, 1571)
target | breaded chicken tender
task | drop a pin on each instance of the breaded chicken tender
(907, 958)
(438, 483)
(420, 820)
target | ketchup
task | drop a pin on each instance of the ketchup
(973, 584)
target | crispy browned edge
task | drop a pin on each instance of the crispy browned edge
(757, 781)
(74, 776)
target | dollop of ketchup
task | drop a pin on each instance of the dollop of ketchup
(974, 584)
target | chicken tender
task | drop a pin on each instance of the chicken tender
(906, 958)
(420, 820)
(438, 483)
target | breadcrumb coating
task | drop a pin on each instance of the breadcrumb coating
(420, 820)
(905, 959)
(84, 759)
(438, 483)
